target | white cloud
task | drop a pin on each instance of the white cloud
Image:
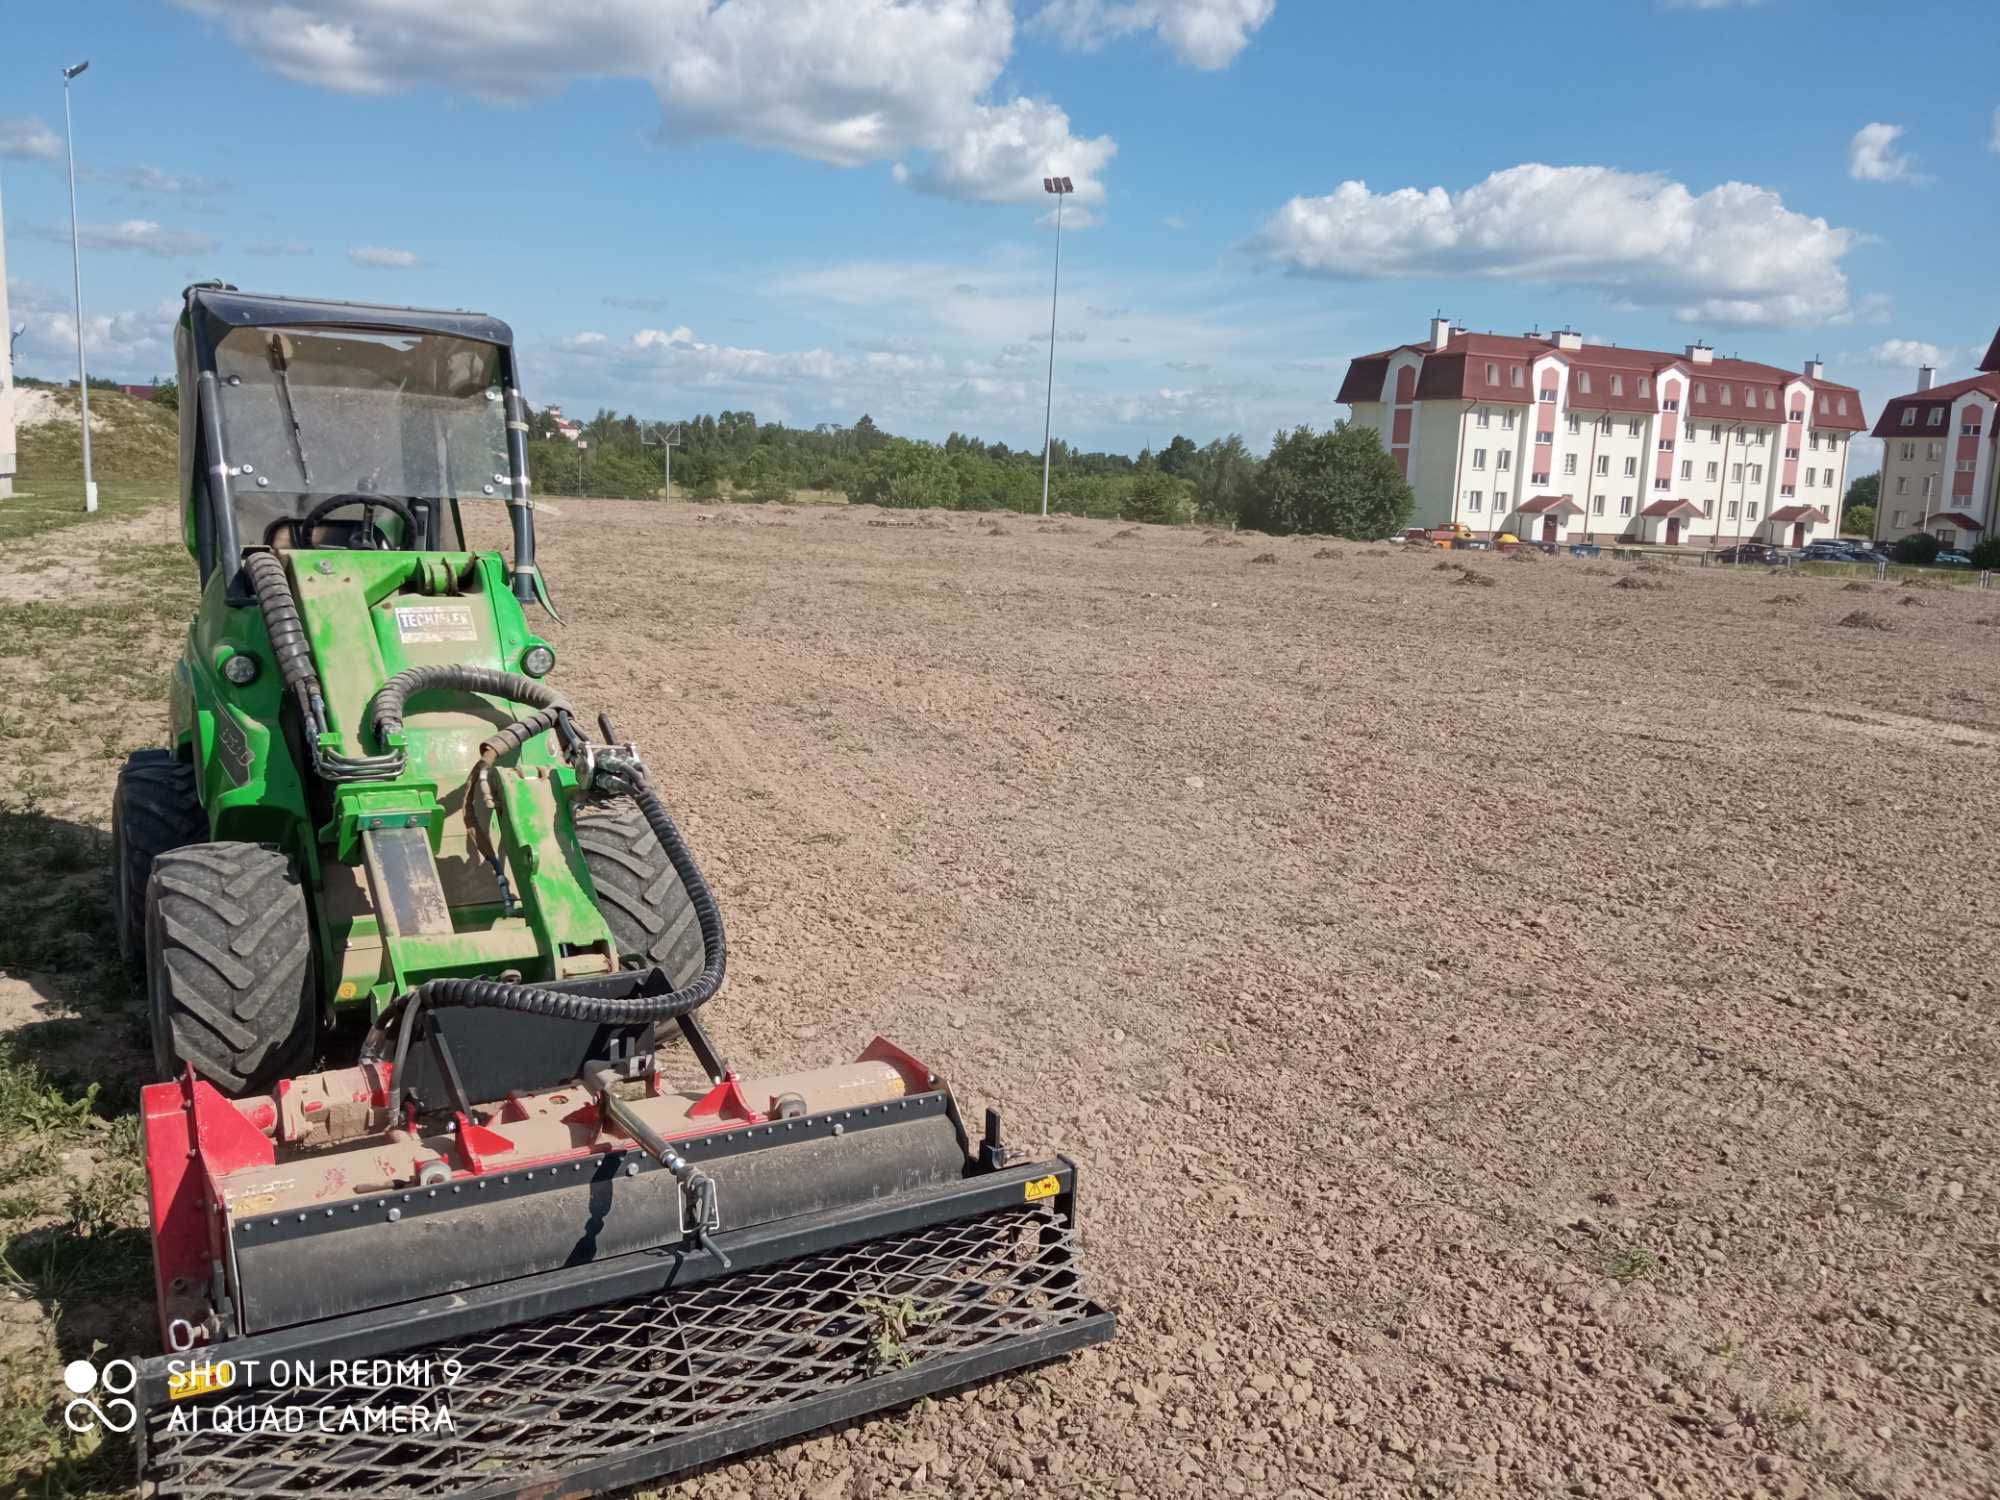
(1002, 154)
(1908, 353)
(848, 82)
(1872, 156)
(277, 248)
(1202, 33)
(142, 235)
(143, 179)
(25, 138)
(1174, 222)
(133, 342)
(1733, 255)
(383, 258)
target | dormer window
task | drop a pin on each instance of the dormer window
(1909, 416)
(1617, 385)
(1518, 380)
(1645, 385)
(1583, 382)
(1728, 395)
(1700, 391)
(1841, 406)
(1492, 373)
(1770, 401)
(1937, 416)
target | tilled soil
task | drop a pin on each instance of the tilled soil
(1527, 1039)
(1532, 1039)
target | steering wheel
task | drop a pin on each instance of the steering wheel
(300, 525)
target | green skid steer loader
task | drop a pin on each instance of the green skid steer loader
(491, 1246)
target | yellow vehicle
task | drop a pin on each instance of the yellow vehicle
(1456, 534)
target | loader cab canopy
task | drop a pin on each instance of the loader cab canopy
(322, 409)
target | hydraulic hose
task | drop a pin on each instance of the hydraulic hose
(629, 778)
(385, 709)
(288, 637)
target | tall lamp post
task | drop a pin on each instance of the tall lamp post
(1061, 187)
(76, 279)
(668, 439)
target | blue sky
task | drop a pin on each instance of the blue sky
(815, 208)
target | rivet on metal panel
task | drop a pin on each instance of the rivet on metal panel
(395, 1215)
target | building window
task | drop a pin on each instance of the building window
(1631, 467)
(1687, 468)
(1603, 463)
(1791, 453)
(1663, 484)
(1841, 406)
(1732, 510)
(1492, 374)
(1575, 423)
(1727, 397)
(1810, 475)
(1549, 393)
(1770, 401)
(1569, 463)
(1713, 470)
(1752, 510)
(1715, 432)
(1758, 437)
(1967, 465)
(1666, 445)
(1937, 417)
(1670, 404)
(1736, 473)
(1971, 425)
(1815, 442)
(1604, 425)
(1934, 451)
(1645, 385)
(1701, 391)
(1798, 416)
(1507, 420)
(1707, 509)
(1625, 506)
(1785, 490)
(1909, 416)
(1909, 451)
(1545, 437)
(1902, 520)
(1541, 478)
(1902, 488)
(1517, 377)
(1478, 458)
(1597, 505)
(1930, 480)
(1756, 473)
(1472, 500)
(1483, 417)
(1503, 460)
(1617, 385)
(1583, 382)
(1632, 428)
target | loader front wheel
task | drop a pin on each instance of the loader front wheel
(153, 810)
(640, 897)
(228, 966)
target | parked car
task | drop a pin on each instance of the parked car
(1835, 552)
(1415, 536)
(1952, 557)
(1751, 552)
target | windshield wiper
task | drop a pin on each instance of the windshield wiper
(281, 368)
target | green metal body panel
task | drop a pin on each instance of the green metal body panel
(369, 615)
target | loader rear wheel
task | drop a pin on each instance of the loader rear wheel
(228, 965)
(641, 898)
(153, 810)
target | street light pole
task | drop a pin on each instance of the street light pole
(76, 280)
(669, 437)
(1061, 187)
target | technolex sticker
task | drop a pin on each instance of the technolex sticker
(388, 1395)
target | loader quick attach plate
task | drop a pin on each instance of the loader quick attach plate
(596, 1397)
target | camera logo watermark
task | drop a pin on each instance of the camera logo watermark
(116, 1381)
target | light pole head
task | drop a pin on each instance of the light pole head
(1057, 185)
(74, 70)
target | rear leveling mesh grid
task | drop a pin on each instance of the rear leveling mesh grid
(574, 1391)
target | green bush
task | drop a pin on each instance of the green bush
(1155, 497)
(1340, 482)
(1986, 556)
(905, 474)
(1917, 548)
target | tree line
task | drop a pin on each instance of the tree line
(1337, 481)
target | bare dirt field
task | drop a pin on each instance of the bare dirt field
(1517, 1039)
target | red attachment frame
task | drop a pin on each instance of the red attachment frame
(726, 1101)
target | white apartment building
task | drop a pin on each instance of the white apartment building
(1940, 467)
(1557, 440)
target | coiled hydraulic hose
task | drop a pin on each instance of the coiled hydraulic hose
(624, 777)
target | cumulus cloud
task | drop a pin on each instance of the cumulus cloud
(25, 138)
(383, 258)
(848, 82)
(1908, 353)
(1872, 156)
(136, 342)
(1732, 255)
(142, 235)
(1202, 33)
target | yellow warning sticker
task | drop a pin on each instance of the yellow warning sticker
(199, 1380)
(1040, 1188)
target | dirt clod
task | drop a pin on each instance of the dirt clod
(1865, 619)
(1644, 579)
(1265, 557)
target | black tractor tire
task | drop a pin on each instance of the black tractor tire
(640, 897)
(153, 810)
(229, 973)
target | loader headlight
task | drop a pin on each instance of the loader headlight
(538, 661)
(240, 667)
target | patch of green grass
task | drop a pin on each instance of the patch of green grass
(1633, 1263)
(49, 505)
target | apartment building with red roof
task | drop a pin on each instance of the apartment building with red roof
(1940, 467)
(1560, 440)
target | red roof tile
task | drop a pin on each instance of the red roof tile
(1682, 508)
(1992, 360)
(1959, 519)
(1551, 505)
(1937, 398)
(1799, 513)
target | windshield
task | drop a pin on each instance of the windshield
(319, 411)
